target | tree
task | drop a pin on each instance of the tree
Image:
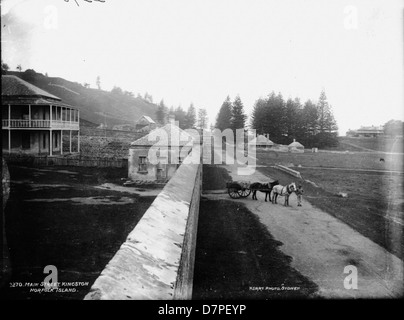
(223, 120)
(190, 117)
(180, 116)
(128, 93)
(148, 97)
(161, 113)
(202, 118)
(258, 116)
(292, 109)
(327, 126)
(98, 82)
(393, 128)
(238, 117)
(326, 121)
(4, 67)
(116, 90)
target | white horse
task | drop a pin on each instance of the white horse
(283, 191)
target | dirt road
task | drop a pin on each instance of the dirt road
(321, 246)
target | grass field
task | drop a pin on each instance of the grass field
(351, 160)
(56, 216)
(375, 203)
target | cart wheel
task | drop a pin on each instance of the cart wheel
(244, 192)
(233, 193)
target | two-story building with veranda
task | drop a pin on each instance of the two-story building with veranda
(34, 121)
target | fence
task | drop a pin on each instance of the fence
(80, 162)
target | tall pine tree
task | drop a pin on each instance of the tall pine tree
(161, 113)
(223, 120)
(238, 117)
(190, 117)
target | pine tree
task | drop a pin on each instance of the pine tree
(190, 117)
(238, 117)
(180, 116)
(161, 113)
(202, 118)
(98, 82)
(223, 120)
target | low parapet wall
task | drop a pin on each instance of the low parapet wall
(288, 170)
(157, 259)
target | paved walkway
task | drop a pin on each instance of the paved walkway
(321, 246)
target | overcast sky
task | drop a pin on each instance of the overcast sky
(201, 51)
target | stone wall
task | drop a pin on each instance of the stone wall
(157, 259)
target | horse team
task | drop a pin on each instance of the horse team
(277, 190)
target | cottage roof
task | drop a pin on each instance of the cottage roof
(261, 139)
(296, 144)
(147, 118)
(170, 135)
(16, 88)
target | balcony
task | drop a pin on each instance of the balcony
(40, 124)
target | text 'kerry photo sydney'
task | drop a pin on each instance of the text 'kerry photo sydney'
(201, 151)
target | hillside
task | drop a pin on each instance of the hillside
(96, 106)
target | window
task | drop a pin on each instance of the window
(44, 140)
(142, 164)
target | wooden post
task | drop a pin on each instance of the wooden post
(50, 143)
(9, 130)
(29, 116)
(78, 132)
(61, 142)
(50, 117)
(70, 140)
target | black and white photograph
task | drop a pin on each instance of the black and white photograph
(215, 151)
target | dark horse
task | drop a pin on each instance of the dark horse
(263, 187)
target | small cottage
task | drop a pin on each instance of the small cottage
(169, 144)
(145, 124)
(262, 141)
(295, 147)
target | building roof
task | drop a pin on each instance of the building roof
(296, 144)
(169, 135)
(147, 118)
(16, 88)
(261, 139)
(370, 129)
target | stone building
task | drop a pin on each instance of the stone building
(169, 144)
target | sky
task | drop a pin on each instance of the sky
(201, 51)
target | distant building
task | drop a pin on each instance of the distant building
(368, 132)
(33, 120)
(171, 140)
(262, 141)
(145, 124)
(295, 146)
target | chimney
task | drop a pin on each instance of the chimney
(294, 140)
(171, 118)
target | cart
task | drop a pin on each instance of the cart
(238, 189)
